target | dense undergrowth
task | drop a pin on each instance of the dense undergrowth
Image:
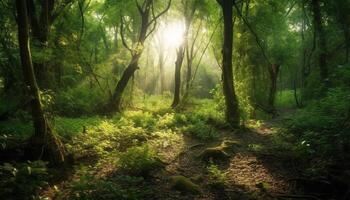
(129, 142)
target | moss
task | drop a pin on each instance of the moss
(184, 185)
(221, 152)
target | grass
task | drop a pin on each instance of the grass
(285, 99)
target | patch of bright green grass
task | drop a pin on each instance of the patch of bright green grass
(285, 99)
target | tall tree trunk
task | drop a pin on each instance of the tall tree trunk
(40, 25)
(347, 42)
(115, 104)
(43, 144)
(273, 72)
(188, 74)
(321, 40)
(161, 69)
(178, 65)
(232, 112)
(189, 11)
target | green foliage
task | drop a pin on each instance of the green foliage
(118, 187)
(16, 127)
(285, 99)
(218, 98)
(217, 178)
(139, 160)
(323, 114)
(77, 101)
(22, 180)
(69, 127)
(319, 130)
(141, 119)
(106, 137)
(201, 130)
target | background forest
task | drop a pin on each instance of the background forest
(174, 99)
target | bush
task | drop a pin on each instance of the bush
(201, 130)
(139, 161)
(320, 129)
(107, 136)
(141, 119)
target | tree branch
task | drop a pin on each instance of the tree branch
(155, 18)
(122, 35)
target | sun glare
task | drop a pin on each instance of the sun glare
(173, 34)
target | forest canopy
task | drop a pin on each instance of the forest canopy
(174, 99)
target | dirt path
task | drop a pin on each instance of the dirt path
(251, 172)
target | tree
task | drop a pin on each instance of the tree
(43, 144)
(148, 19)
(232, 112)
(189, 9)
(321, 39)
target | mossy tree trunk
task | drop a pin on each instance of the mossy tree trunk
(43, 144)
(178, 65)
(232, 112)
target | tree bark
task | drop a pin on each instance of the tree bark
(189, 10)
(273, 72)
(321, 40)
(43, 144)
(115, 104)
(232, 112)
(178, 65)
(161, 68)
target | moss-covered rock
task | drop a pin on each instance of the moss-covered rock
(221, 152)
(214, 153)
(184, 185)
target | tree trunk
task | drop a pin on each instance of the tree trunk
(347, 43)
(321, 40)
(232, 112)
(161, 68)
(40, 26)
(43, 144)
(188, 77)
(273, 72)
(115, 103)
(178, 65)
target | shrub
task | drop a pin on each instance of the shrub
(141, 119)
(217, 178)
(139, 160)
(201, 130)
(320, 128)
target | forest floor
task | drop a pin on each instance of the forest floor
(233, 164)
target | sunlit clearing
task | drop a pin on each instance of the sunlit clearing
(173, 34)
